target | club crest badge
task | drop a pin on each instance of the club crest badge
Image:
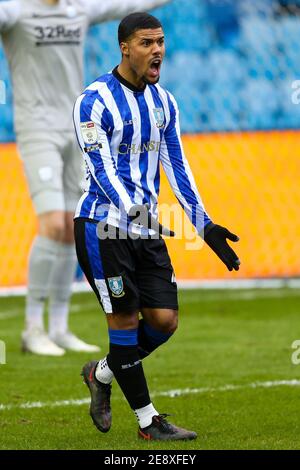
(116, 286)
(159, 117)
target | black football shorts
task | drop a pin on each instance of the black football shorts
(126, 274)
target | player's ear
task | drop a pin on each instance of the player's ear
(124, 46)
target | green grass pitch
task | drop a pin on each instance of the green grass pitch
(240, 338)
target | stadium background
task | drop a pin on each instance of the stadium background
(231, 65)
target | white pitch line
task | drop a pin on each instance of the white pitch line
(227, 388)
(10, 314)
(255, 283)
(169, 393)
(75, 308)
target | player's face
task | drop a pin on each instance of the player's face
(146, 50)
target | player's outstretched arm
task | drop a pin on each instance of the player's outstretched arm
(105, 10)
(9, 14)
(178, 171)
(183, 184)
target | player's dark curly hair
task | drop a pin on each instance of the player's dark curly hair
(135, 21)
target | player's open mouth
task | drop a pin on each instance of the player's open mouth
(155, 67)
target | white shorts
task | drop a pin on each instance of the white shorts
(54, 169)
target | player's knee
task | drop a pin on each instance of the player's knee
(168, 324)
(172, 324)
(120, 321)
(56, 231)
(52, 225)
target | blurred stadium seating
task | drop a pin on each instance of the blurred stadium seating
(230, 63)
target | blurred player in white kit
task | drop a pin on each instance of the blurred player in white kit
(43, 42)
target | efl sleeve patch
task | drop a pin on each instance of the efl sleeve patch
(89, 132)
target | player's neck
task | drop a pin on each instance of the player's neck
(130, 76)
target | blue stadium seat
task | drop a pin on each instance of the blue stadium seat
(190, 66)
(190, 106)
(260, 100)
(226, 66)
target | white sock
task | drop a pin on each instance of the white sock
(41, 259)
(58, 318)
(34, 314)
(60, 288)
(103, 373)
(144, 415)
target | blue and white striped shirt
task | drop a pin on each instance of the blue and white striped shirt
(124, 133)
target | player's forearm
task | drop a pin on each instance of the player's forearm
(190, 198)
(9, 14)
(130, 6)
(149, 4)
(100, 11)
(124, 7)
(184, 188)
(194, 208)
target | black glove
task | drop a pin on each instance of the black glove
(215, 236)
(140, 214)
